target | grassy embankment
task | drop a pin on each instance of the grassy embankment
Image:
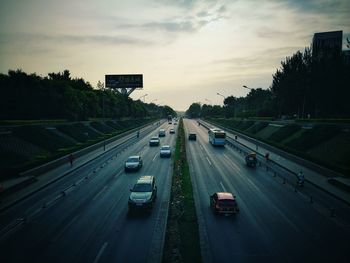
(182, 236)
(322, 142)
(33, 143)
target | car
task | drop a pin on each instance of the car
(192, 137)
(161, 133)
(154, 141)
(133, 163)
(143, 194)
(223, 203)
(165, 151)
(250, 159)
(172, 131)
(175, 123)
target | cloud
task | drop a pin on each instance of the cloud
(257, 63)
(203, 14)
(74, 39)
(190, 22)
(175, 26)
(222, 9)
(319, 6)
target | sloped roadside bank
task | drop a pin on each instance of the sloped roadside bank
(182, 236)
(324, 144)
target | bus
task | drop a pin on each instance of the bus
(217, 137)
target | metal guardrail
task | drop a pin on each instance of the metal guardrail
(273, 166)
(64, 159)
(306, 163)
(19, 222)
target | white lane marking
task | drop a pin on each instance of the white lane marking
(116, 175)
(102, 249)
(223, 187)
(65, 228)
(154, 157)
(208, 161)
(100, 192)
(201, 147)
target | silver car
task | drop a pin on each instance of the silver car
(133, 163)
(165, 151)
(143, 194)
(154, 141)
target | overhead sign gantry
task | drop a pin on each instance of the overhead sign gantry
(125, 83)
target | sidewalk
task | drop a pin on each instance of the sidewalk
(328, 184)
(22, 187)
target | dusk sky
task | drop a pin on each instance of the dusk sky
(187, 50)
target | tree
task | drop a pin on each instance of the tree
(194, 110)
(230, 105)
(59, 96)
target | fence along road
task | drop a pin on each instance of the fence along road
(275, 223)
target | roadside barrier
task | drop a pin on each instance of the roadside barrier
(287, 176)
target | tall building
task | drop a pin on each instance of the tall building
(327, 43)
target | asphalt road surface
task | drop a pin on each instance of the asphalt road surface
(275, 223)
(89, 221)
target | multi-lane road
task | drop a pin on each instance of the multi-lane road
(275, 223)
(90, 221)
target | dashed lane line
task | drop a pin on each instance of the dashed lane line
(223, 187)
(102, 249)
(208, 161)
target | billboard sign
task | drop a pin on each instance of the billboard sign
(124, 81)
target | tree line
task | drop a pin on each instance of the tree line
(58, 96)
(304, 86)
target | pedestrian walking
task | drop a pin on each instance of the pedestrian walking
(71, 159)
(267, 156)
(301, 178)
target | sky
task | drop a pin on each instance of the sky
(187, 50)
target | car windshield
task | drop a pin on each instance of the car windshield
(227, 202)
(142, 188)
(154, 138)
(166, 148)
(132, 160)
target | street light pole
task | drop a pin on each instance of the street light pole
(103, 113)
(217, 93)
(244, 86)
(143, 96)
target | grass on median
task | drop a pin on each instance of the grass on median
(182, 235)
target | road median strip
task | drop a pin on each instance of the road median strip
(182, 235)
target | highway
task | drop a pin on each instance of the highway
(88, 221)
(275, 223)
